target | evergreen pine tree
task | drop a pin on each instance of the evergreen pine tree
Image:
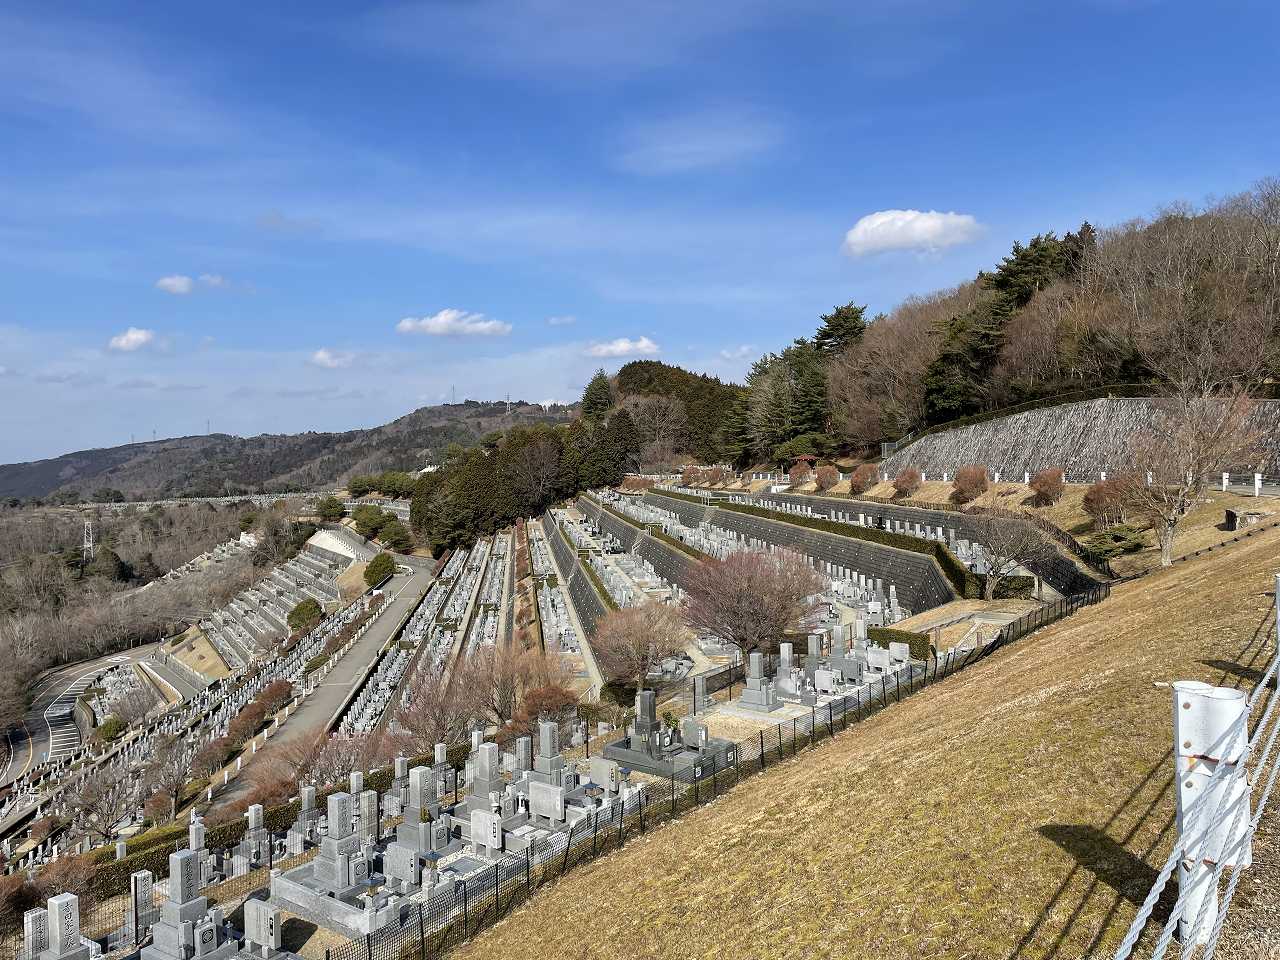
(840, 328)
(597, 398)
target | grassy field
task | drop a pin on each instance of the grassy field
(1018, 810)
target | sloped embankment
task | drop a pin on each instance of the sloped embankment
(1017, 810)
(1080, 438)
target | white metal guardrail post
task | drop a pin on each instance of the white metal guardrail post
(1210, 731)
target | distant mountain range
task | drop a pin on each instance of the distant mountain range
(218, 464)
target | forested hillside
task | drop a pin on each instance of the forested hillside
(482, 488)
(1188, 301)
(676, 411)
(220, 465)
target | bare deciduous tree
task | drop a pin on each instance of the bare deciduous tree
(629, 641)
(169, 771)
(99, 801)
(432, 714)
(323, 760)
(490, 681)
(1010, 544)
(660, 422)
(752, 599)
(1193, 437)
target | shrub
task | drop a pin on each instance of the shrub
(17, 895)
(370, 520)
(246, 723)
(827, 477)
(275, 695)
(689, 476)
(971, 482)
(907, 482)
(212, 757)
(315, 663)
(1116, 540)
(864, 478)
(358, 486)
(380, 569)
(799, 474)
(305, 615)
(1047, 486)
(921, 648)
(110, 728)
(330, 508)
(1104, 502)
(395, 535)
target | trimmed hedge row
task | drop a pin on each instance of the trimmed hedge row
(921, 648)
(652, 531)
(965, 582)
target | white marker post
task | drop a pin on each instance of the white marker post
(1210, 748)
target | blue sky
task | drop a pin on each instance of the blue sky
(280, 217)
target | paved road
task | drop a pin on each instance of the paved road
(316, 711)
(48, 730)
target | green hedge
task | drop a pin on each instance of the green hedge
(678, 544)
(655, 533)
(962, 579)
(605, 596)
(921, 648)
(1010, 588)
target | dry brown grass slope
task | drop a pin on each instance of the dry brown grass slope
(1017, 810)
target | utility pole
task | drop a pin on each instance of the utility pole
(86, 549)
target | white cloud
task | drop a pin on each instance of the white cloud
(332, 359)
(450, 322)
(710, 138)
(176, 284)
(135, 338)
(738, 353)
(909, 230)
(213, 280)
(623, 347)
(562, 321)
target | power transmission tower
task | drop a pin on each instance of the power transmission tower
(86, 551)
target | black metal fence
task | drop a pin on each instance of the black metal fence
(454, 915)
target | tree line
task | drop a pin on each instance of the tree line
(1184, 302)
(481, 489)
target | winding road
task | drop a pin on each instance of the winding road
(48, 731)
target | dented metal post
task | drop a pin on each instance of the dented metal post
(1210, 746)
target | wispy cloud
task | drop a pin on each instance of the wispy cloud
(551, 37)
(561, 321)
(135, 338)
(737, 353)
(147, 383)
(623, 347)
(916, 230)
(177, 284)
(708, 138)
(451, 322)
(332, 359)
(180, 284)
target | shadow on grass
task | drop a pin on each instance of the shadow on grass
(1101, 855)
(1249, 674)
